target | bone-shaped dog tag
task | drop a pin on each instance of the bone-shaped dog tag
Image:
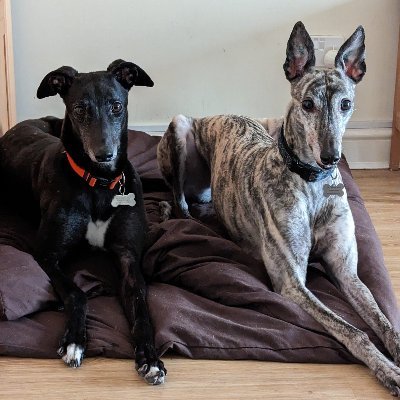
(123, 200)
(334, 190)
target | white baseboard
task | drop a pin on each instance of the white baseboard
(367, 148)
(151, 129)
(366, 144)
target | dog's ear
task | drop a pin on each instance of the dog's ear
(129, 74)
(300, 56)
(351, 56)
(56, 82)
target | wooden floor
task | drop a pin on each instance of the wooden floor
(192, 379)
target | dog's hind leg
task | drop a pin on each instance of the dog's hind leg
(183, 167)
(171, 155)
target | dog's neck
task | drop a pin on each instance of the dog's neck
(296, 153)
(75, 149)
(296, 139)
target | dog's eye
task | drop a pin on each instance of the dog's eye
(307, 104)
(345, 105)
(79, 110)
(116, 107)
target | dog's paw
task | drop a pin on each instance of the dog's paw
(72, 354)
(389, 376)
(165, 210)
(392, 343)
(153, 373)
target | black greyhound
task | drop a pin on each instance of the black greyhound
(88, 191)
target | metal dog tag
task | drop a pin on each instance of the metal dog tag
(334, 190)
(123, 200)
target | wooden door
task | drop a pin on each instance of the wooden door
(395, 143)
(7, 91)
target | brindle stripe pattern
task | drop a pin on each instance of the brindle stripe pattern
(275, 213)
(320, 130)
(247, 169)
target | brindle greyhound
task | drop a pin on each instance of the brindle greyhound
(270, 194)
(87, 191)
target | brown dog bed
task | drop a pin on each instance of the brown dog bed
(207, 298)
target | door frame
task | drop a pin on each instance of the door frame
(9, 59)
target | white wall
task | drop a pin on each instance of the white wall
(205, 56)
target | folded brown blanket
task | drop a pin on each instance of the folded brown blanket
(207, 298)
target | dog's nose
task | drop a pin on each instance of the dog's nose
(104, 157)
(332, 159)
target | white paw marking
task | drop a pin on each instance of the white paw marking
(205, 196)
(155, 376)
(153, 372)
(73, 356)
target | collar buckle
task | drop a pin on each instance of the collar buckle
(94, 180)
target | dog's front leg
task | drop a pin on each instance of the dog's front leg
(73, 343)
(134, 300)
(56, 236)
(341, 259)
(288, 274)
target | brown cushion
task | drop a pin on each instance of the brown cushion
(207, 298)
(24, 287)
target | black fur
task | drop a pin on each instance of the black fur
(33, 163)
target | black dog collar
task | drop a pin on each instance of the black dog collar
(306, 171)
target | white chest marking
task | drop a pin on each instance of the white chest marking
(96, 232)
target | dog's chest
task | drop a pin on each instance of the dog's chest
(96, 232)
(101, 215)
